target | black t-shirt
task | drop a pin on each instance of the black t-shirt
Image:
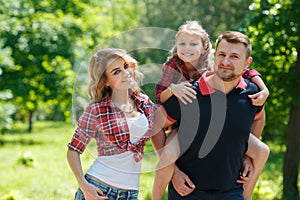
(213, 133)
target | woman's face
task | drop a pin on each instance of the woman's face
(189, 48)
(119, 75)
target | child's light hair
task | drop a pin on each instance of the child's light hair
(194, 28)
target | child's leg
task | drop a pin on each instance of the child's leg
(259, 153)
(165, 166)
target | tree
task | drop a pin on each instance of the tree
(7, 109)
(42, 72)
(47, 40)
(277, 55)
(216, 16)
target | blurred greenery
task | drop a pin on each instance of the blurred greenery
(45, 46)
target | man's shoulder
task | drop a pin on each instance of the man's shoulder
(251, 87)
(195, 84)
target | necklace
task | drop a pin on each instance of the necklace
(127, 108)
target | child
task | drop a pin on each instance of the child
(190, 58)
(118, 118)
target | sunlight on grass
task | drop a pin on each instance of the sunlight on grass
(49, 176)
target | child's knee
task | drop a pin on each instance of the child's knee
(264, 151)
(170, 154)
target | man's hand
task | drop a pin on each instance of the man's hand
(248, 170)
(182, 183)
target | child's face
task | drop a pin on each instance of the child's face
(189, 48)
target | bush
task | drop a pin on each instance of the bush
(27, 159)
(12, 195)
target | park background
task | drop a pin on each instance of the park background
(44, 49)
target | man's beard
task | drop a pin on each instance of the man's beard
(228, 77)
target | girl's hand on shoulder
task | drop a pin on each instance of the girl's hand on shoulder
(184, 92)
(258, 99)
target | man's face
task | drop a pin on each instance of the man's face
(230, 60)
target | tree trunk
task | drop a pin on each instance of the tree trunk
(292, 154)
(291, 161)
(30, 121)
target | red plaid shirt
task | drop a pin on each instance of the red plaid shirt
(172, 74)
(107, 124)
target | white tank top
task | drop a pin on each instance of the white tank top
(121, 170)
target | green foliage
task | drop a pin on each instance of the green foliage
(216, 16)
(275, 54)
(7, 109)
(43, 42)
(149, 89)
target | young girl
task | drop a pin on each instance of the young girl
(189, 59)
(119, 118)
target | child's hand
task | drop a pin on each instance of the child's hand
(258, 99)
(184, 92)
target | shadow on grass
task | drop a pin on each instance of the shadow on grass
(19, 141)
(37, 127)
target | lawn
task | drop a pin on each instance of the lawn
(33, 165)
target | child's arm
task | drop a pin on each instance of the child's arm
(182, 91)
(259, 98)
(168, 85)
(254, 76)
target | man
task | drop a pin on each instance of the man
(214, 130)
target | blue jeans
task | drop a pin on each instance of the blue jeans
(232, 194)
(111, 193)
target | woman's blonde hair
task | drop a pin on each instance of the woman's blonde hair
(194, 28)
(97, 88)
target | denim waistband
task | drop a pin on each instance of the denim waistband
(114, 193)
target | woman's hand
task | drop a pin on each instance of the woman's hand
(91, 192)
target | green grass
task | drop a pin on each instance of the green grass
(49, 177)
(34, 166)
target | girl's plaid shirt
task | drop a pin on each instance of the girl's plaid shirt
(173, 71)
(107, 124)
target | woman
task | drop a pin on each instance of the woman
(119, 118)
